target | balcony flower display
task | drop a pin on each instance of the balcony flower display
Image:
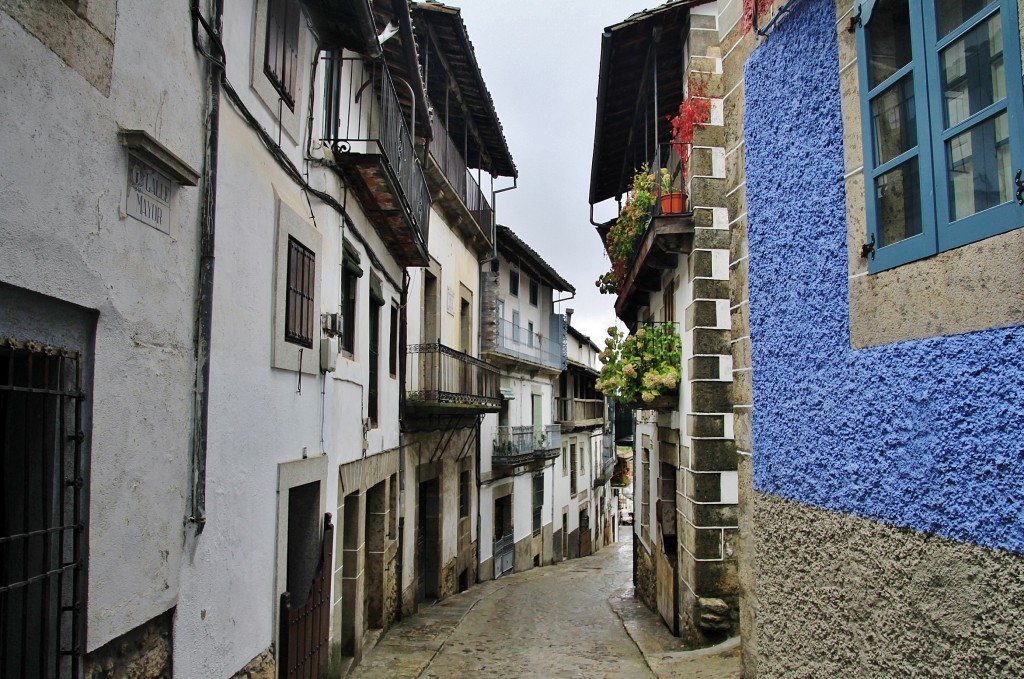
(640, 368)
(628, 230)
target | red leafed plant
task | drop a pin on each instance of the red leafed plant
(695, 111)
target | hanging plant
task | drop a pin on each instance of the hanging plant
(694, 112)
(640, 367)
(628, 230)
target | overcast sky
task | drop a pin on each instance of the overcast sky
(540, 60)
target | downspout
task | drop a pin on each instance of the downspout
(207, 230)
(403, 345)
(494, 209)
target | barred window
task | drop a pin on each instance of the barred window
(538, 502)
(301, 285)
(43, 519)
(281, 57)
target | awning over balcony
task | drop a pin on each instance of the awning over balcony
(470, 111)
(639, 86)
(343, 23)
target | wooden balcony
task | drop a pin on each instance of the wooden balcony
(580, 413)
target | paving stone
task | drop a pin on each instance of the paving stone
(577, 618)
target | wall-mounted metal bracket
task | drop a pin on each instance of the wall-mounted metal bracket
(1020, 188)
(868, 249)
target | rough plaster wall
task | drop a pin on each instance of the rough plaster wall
(913, 605)
(257, 420)
(64, 235)
(923, 434)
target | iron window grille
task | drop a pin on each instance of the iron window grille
(393, 343)
(538, 502)
(43, 498)
(301, 277)
(281, 56)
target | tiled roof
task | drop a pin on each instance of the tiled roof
(513, 247)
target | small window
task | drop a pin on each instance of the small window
(393, 343)
(301, 286)
(943, 120)
(515, 327)
(464, 494)
(350, 275)
(529, 333)
(534, 292)
(572, 469)
(538, 502)
(513, 282)
(373, 386)
(281, 56)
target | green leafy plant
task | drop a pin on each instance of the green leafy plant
(642, 366)
(628, 229)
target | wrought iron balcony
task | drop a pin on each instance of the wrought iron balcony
(373, 150)
(450, 161)
(508, 344)
(521, 445)
(441, 378)
(579, 411)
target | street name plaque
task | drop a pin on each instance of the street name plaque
(149, 195)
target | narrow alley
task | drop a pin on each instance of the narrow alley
(577, 618)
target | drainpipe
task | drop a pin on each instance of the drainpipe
(494, 208)
(403, 343)
(207, 229)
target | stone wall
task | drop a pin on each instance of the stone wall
(143, 653)
(263, 666)
(644, 577)
(912, 605)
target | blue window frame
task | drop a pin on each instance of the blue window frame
(943, 119)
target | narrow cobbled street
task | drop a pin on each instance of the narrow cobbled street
(574, 619)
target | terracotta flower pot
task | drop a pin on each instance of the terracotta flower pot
(673, 203)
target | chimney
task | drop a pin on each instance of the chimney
(568, 316)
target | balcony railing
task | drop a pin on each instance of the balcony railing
(366, 131)
(604, 472)
(521, 343)
(447, 156)
(579, 409)
(522, 444)
(440, 375)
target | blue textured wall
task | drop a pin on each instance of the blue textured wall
(923, 434)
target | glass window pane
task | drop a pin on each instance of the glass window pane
(972, 71)
(978, 162)
(898, 198)
(952, 13)
(894, 120)
(888, 39)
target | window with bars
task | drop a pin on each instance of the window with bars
(538, 502)
(301, 287)
(43, 520)
(373, 388)
(393, 343)
(464, 494)
(281, 56)
(572, 468)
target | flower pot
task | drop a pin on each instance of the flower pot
(673, 203)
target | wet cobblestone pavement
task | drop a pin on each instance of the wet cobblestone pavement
(574, 619)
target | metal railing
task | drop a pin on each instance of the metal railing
(439, 374)
(452, 163)
(522, 343)
(362, 114)
(579, 409)
(521, 444)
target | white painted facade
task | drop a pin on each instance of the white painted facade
(71, 82)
